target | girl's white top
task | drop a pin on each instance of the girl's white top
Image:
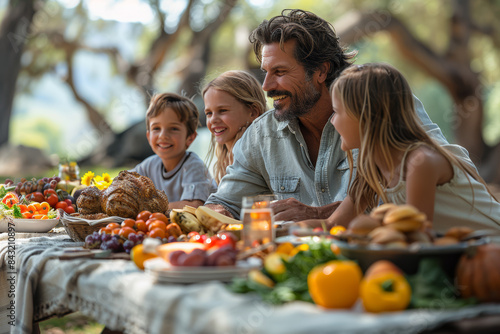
(457, 202)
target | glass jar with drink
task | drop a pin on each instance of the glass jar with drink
(258, 221)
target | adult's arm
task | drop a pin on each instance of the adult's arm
(291, 209)
(243, 178)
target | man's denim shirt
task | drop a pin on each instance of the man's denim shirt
(272, 157)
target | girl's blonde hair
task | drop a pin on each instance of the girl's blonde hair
(246, 89)
(380, 98)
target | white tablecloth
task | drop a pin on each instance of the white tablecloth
(117, 294)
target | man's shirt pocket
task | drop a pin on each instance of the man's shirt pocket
(286, 186)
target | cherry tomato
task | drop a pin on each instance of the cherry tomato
(199, 238)
(68, 201)
(227, 238)
(211, 241)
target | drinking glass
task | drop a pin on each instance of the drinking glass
(258, 221)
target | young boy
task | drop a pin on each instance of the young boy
(171, 122)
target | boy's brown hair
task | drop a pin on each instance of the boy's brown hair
(184, 108)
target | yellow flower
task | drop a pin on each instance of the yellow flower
(101, 185)
(87, 178)
(98, 178)
(106, 177)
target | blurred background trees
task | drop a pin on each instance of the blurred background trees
(77, 75)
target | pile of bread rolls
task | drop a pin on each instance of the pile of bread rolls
(399, 226)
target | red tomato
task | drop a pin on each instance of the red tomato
(199, 238)
(48, 192)
(227, 238)
(61, 205)
(211, 241)
(318, 229)
(69, 209)
(52, 199)
(68, 201)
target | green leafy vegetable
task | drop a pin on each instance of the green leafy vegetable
(17, 211)
(3, 191)
(291, 285)
(432, 288)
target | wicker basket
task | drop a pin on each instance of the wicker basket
(78, 228)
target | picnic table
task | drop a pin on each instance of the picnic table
(123, 298)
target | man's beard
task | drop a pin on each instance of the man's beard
(300, 105)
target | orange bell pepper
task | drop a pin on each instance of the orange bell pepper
(44, 207)
(10, 199)
(335, 284)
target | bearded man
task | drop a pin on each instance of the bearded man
(293, 151)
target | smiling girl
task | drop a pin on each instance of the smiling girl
(397, 161)
(233, 101)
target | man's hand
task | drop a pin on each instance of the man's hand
(291, 209)
(220, 209)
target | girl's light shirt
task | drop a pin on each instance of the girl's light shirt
(189, 180)
(272, 157)
(456, 204)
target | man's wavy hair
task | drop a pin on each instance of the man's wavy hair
(316, 41)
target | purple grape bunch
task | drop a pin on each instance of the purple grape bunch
(133, 240)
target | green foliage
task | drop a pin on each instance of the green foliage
(432, 288)
(292, 285)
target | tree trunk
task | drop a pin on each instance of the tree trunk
(14, 31)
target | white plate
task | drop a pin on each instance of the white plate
(162, 272)
(29, 225)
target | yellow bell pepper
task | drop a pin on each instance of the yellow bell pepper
(335, 284)
(383, 292)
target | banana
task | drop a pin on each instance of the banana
(187, 221)
(189, 209)
(213, 221)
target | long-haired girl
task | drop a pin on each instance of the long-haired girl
(397, 161)
(233, 101)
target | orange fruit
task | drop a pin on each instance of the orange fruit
(159, 216)
(116, 231)
(113, 226)
(157, 224)
(138, 256)
(157, 232)
(140, 225)
(125, 231)
(337, 229)
(105, 230)
(128, 222)
(144, 215)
